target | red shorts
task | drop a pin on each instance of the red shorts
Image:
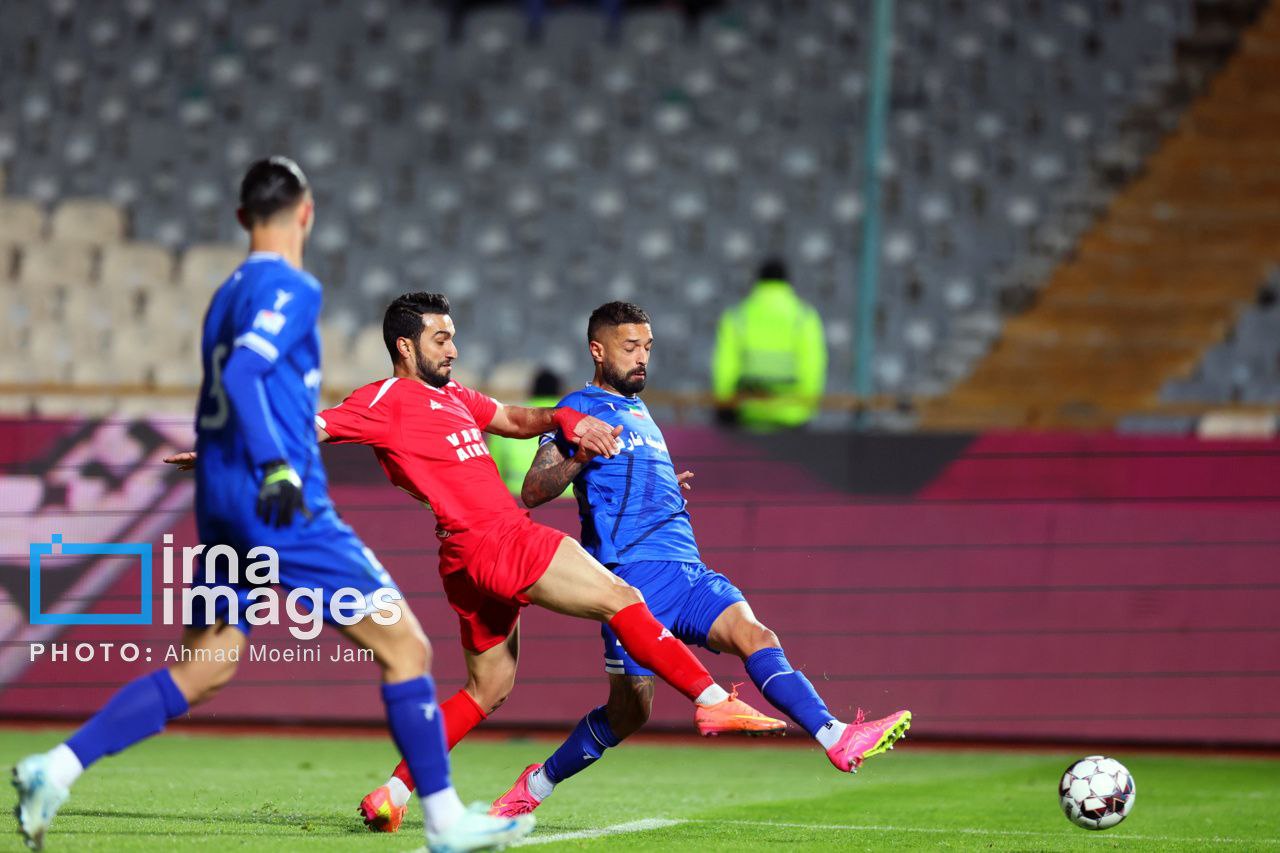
(485, 573)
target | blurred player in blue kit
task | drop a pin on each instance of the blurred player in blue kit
(635, 521)
(260, 482)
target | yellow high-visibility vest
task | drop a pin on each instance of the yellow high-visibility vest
(770, 360)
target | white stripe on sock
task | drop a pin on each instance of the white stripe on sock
(772, 677)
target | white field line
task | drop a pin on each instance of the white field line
(587, 834)
(663, 823)
(1022, 833)
(583, 834)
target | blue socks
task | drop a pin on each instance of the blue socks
(590, 738)
(143, 706)
(787, 690)
(417, 727)
(137, 711)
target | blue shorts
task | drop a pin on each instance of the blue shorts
(322, 553)
(686, 598)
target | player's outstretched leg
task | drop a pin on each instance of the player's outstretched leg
(137, 711)
(491, 675)
(576, 585)
(630, 702)
(408, 692)
(737, 631)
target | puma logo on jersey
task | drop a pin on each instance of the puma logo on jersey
(282, 299)
(468, 443)
(435, 405)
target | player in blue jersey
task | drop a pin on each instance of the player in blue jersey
(635, 521)
(260, 482)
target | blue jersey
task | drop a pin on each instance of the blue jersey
(631, 505)
(270, 308)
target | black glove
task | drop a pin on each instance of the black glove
(280, 495)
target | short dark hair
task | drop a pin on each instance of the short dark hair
(270, 186)
(772, 269)
(614, 314)
(404, 317)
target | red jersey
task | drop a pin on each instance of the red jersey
(429, 442)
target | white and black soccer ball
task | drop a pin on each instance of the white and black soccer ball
(1096, 792)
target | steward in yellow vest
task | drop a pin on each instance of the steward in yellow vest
(770, 363)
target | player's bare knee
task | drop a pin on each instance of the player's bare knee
(624, 595)
(418, 654)
(763, 638)
(220, 678)
(407, 658)
(496, 701)
(505, 686)
(613, 600)
(200, 682)
(750, 637)
(492, 689)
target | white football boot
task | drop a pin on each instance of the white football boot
(479, 830)
(39, 798)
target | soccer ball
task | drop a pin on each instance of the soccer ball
(1096, 792)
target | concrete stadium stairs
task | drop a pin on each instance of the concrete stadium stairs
(1159, 279)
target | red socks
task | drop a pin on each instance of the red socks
(402, 773)
(461, 715)
(653, 647)
(644, 638)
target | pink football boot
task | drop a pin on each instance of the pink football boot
(862, 740)
(518, 799)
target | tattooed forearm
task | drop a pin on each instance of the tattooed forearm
(550, 473)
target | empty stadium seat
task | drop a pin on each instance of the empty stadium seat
(202, 268)
(63, 264)
(135, 266)
(612, 169)
(21, 221)
(80, 220)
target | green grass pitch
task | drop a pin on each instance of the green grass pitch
(182, 792)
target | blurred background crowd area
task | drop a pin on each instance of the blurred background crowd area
(1077, 220)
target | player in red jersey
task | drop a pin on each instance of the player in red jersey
(425, 430)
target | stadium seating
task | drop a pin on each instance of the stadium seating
(1159, 279)
(573, 171)
(1245, 368)
(96, 222)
